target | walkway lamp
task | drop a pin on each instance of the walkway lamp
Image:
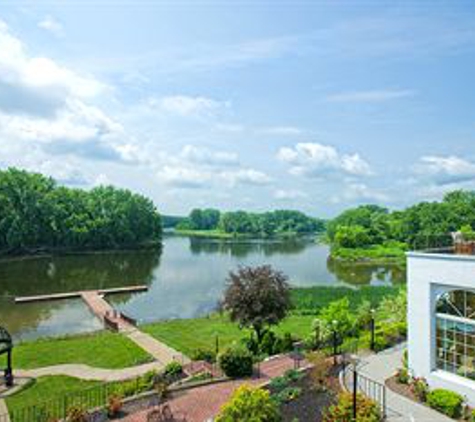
(372, 328)
(6, 346)
(335, 341)
(216, 342)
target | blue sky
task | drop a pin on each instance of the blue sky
(316, 106)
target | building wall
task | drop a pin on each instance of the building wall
(428, 276)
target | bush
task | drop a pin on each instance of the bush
(249, 405)
(342, 411)
(236, 362)
(114, 406)
(402, 376)
(268, 343)
(288, 394)
(203, 354)
(173, 369)
(446, 401)
(472, 415)
(420, 388)
(76, 414)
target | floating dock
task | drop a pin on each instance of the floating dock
(79, 294)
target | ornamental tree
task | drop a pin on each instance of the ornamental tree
(257, 297)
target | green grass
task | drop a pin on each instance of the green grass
(101, 350)
(313, 299)
(187, 335)
(215, 234)
(392, 253)
(44, 389)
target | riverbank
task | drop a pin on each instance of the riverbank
(219, 234)
(28, 254)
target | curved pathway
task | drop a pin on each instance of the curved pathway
(382, 366)
(86, 372)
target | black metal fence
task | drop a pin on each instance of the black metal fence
(95, 397)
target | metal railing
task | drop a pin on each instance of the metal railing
(357, 383)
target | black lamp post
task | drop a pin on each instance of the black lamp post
(216, 339)
(335, 342)
(372, 328)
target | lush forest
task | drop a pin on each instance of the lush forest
(37, 214)
(371, 231)
(235, 223)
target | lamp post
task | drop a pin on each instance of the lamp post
(335, 342)
(372, 328)
(216, 339)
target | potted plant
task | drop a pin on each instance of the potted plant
(464, 240)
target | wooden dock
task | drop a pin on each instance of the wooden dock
(79, 294)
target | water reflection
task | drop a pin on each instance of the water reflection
(244, 248)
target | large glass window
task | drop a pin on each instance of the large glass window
(455, 333)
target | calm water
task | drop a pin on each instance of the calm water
(186, 279)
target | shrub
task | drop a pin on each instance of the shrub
(288, 394)
(114, 406)
(173, 369)
(342, 411)
(320, 370)
(203, 354)
(268, 343)
(472, 416)
(236, 362)
(76, 414)
(420, 388)
(402, 376)
(446, 401)
(249, 405)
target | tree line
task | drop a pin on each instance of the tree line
(426, 224)
(36, 213)
(257, 224)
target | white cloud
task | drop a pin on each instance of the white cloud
(48, 106)
(286, 195)
(207, 157)
(52, 25)
(184, 177)
(445, 170)
(246, 176)
(316, 160)
(355, 192)
(183, 105)
(282, 131)
(372, 96)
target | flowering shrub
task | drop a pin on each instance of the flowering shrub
(342, 411)
(420, 388)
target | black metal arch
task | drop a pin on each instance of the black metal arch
(6, 346)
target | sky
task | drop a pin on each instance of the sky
(257, 105)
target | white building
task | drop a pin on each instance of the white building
(441, 320)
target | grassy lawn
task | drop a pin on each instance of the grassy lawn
(46, 388)
(187, 335)
(101, 350)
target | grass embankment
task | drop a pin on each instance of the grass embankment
(390, 253)
(44, 389)
(188, 335)
(214, 234)
(100, 350)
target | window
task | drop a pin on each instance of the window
(455, 333)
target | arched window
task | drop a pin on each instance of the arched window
(455, 334)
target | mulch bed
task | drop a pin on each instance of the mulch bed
(401, 389)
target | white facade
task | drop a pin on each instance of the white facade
(430, 275)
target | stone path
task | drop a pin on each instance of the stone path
(86, 372)
(203, 403)
(382, 366)
(160, 351)
(3, 412)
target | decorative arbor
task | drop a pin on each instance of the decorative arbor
(6, 346)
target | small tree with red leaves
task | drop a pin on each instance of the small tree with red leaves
(257, 297)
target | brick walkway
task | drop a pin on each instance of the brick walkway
(202, 403)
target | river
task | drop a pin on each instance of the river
(185, 279)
